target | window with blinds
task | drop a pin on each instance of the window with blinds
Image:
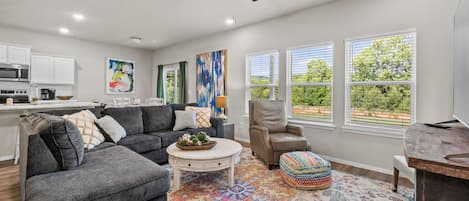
(310, 70)
(380, 80)
(262, 76)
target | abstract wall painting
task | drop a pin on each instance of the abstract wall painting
(211, 79)
(120, 76)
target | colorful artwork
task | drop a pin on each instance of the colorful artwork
(120, 76)
(211, 79)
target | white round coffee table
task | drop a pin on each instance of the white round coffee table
(224, 155)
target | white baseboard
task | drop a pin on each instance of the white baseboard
(6, 158)
(359, 165)
(242, 139)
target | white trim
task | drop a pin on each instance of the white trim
(7, 157)
(381, 35)
(325, 125)
(242, 139)
(380, 131)
(460, 120)
(359, 165)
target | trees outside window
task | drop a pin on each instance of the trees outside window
(310, 82)
(262, 76)
(380, 80)
(170, 84)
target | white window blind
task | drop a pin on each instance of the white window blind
(380, 80)
(262, 76)
(310, 82)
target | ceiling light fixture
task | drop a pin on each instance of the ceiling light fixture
(78, 17)
(64, 30)
(230, 21)
(136, 39)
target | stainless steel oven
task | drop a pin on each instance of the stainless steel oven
(17, 73)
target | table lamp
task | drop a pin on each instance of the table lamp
(220, 102)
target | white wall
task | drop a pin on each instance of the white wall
(90, 61)
(335, 22)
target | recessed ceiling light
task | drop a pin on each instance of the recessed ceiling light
(78, 17)
(230, 21)
(136, 39)
(64, 30)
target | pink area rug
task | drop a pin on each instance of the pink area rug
(255, 182)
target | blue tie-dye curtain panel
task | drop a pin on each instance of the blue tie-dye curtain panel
(211, 79)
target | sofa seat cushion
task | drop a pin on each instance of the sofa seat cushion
(210, 131)
(157, 118)
(115, 173)
(128, 117)
(288, 142)
(141, 142)
(168, 137)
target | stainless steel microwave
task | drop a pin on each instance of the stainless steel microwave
(16, 73)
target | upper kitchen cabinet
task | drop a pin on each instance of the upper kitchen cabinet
(3, 54)
(14, 54)
(19, 55)
(52, 70)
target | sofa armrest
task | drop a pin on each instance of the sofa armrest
(217, 123)
(295, 129)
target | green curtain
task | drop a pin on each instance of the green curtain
(182, 82)
(159, 84)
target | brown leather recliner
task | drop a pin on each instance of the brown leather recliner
(270, 134)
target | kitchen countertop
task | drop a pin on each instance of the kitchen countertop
(28, 106)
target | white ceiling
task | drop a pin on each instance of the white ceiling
(159, 22)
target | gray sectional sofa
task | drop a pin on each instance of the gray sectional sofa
(53, 168)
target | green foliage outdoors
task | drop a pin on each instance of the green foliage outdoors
(387, 59)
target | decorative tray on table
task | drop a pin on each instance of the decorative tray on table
(200, 141)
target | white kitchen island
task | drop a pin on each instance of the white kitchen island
(9, 121)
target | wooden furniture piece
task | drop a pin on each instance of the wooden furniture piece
(224, 155)
(428, 150)
(401, 168)
(228, 129)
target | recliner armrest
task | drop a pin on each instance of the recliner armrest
(295, 129)
(217, 123)
(260, 132)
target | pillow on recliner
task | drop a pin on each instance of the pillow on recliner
(270, 114)
(62, 138)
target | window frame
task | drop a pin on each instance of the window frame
(271, 85)
(289, 85)
(167, 69)
(366, 128)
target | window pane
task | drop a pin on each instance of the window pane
(311, 64)
(381, 104)
(170, 87)
(311, 102)
(263, 93)
(383, 59)
(264, 68)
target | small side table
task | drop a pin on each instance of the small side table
(228, 130)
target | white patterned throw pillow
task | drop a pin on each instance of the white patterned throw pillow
(84, 121)
(203, 116)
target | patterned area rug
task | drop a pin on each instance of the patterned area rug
(255, 182)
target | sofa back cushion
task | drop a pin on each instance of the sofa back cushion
(129, 117)
(97, 111)
(62, 138)
(157, 118)
(269, 114)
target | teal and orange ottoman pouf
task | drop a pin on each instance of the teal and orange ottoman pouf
(305, 170)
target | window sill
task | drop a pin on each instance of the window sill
(326, 125)
(395, 133)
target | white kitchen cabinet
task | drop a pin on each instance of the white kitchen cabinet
(64, 71)
(19, 55)
(52, 70)
(3, 54)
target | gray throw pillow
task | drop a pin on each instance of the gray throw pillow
(112, 128)
(185, 119)
(62, 138)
